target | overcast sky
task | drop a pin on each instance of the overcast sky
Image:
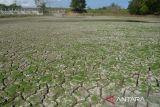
(66, 3)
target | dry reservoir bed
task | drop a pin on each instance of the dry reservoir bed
(79, 62)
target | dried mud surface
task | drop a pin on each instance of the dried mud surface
(78, 62)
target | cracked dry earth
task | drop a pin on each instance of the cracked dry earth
(78, 62)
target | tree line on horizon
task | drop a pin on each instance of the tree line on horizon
(137, 7)
(10, 7)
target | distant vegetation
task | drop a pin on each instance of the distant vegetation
(113, 9)
(113, 6)
(10, 7)
(142, 7)
(136, 7)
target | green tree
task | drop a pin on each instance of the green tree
(2, 7)
(78, 5)
(144, 7)
(135, 6)
(154, 6)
